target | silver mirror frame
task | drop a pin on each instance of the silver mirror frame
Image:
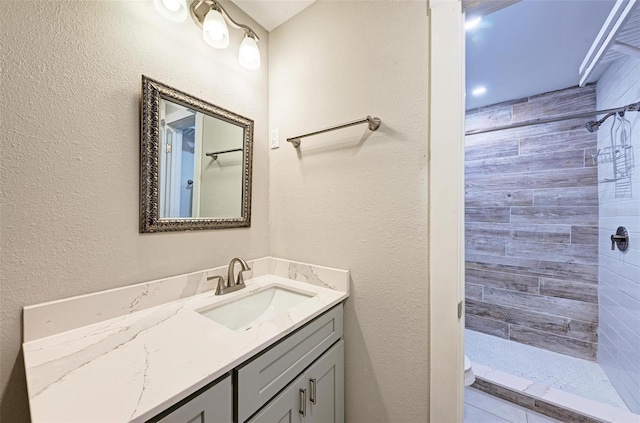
(150, 222)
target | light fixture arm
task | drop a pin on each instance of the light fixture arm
(198, 14)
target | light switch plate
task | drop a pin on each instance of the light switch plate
(275, 139)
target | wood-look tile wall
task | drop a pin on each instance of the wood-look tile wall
(531, 226)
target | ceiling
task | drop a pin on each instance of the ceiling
(531, 47)
(271, 13)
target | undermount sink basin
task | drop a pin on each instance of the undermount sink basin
(243, 313)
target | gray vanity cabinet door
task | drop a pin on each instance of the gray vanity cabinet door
(286, 406)
(212, 406)
(261, 378)
(325, 382)
(322, 383)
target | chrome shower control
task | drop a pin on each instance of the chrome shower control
(621, 239)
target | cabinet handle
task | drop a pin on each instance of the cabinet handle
(303, 402)
(312, 391)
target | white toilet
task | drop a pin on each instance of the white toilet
(469, 377)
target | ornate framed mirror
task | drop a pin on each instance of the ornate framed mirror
(195, 163)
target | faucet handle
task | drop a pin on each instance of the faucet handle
(221, 285)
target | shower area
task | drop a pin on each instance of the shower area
(552, 300)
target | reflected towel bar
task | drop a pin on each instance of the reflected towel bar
(214, 155)
(374, 124)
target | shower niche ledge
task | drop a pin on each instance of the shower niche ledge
(150, 353)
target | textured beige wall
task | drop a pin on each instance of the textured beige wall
(359, 204)
(71, 77)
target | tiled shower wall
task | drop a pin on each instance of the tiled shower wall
(531, 208)
(619, 281)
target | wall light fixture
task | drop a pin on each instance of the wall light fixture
(211, 17)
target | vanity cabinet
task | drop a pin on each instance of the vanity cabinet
(299, 379)
(212, 404)
(289, 376)
(316, 396)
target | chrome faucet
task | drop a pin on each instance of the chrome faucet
(232, 283)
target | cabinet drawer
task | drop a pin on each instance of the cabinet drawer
(211, 404)
(263, 377)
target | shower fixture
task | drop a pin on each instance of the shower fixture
(594, 125)
(591, 126)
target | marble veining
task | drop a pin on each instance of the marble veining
(133, 366)
(52, 318)
(312, 274)
(54, 371)
(145, 380)
(297, 271)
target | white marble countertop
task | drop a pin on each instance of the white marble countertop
(132, 367)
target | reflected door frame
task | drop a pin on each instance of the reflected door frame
(197, 165)
(166, 162)
(175, 172)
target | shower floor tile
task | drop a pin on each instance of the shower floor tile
(569, 374)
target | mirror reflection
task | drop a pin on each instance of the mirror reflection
(195, 163)
(201, 164)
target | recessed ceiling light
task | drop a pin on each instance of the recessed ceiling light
(478, 91)
(472, 22)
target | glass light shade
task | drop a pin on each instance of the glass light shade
(172, 5)
(249, 54)
(214, 30)
(173, 10)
